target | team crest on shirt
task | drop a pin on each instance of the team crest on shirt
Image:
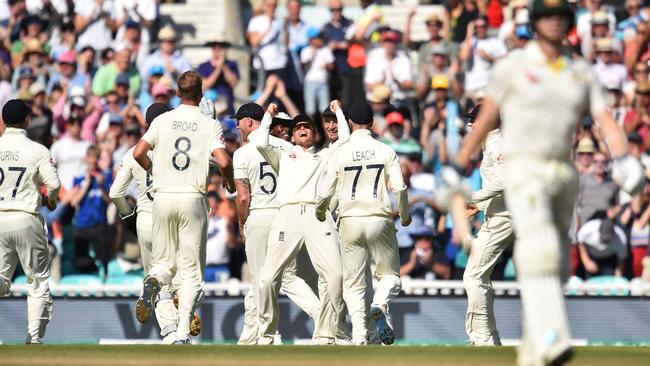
(292, 156)
(500, 158)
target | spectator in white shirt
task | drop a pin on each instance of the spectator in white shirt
(388, 66)
(92, 23)
(69, 154)
(317, 60)
(218, 242)
(608, 71)
(480, 51)
(264, 35)
(602, 246)
(142, 12)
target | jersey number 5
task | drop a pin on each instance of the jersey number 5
(267, 174)
(358, 169)
(21, 171)
(182, 152)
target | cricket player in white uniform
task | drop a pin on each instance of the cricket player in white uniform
(360, 171)
(182, 141)
(139, 222)
(542, 94)
(300, 171)
(256, 203)
(495, 236)
(24, 165)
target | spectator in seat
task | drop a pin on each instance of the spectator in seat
(33, 63)
(600, 28)
(31, 28)
(167, 56)
(636, 220)
(585, 155)
(602, 247)
(105, 78)
(336, 35)
(67, 73)
(480, 51)
(219, 240)
(597, 191)
(264, 33)
(92, 21)
(638, 118)
(40, 122)
(397, 138)
(69, 152)
(380, 103)
(90, 197)
(422, 261)
(139, 44)
(220, 74)
(318, 60)
(608, 71)
(436, 41)
(437, 67)
(388, 66)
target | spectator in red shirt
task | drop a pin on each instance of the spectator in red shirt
(638, 119)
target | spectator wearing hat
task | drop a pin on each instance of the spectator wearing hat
(67, 40)
(380, 103)
(522, 36)
(33, 59)
(317, 60)
(480, 51)
(167, 56)
(31, 28)
(24, 77)
(517, 14)
(437, 65)
(386, 65)
(638, 118)
(584, 155)
(67, 73)
(602, 246)
(432, 134)
(598, 13)
(608, 71)
(92, 21)
(422, 261)
(335, 33)
(40, 122)
(105, 79)
(220, 74)
(436, 41)
(600, 28)
(615, 102)
(395, 135)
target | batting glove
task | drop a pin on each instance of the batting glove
(627, 172)
(207, 107)
(131, 222)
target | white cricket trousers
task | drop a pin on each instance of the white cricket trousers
(540, 195)
(166, 312)
(23, 239)
(257, 229)
(293, 226)
(363, 239)
(495, 236)
(180, 229)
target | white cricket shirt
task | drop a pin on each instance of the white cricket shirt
(24, 165)
(182, 141)
(129, 170)
(490, 198)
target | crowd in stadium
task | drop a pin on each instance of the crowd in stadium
(90, 68)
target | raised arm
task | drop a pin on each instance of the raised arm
(261, 140)
(343, 127)
(48, 175)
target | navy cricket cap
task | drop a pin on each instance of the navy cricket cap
(15, 112)
(328, 113)
(251, 110)
(303, 118)
(156, 110)
(360, 113)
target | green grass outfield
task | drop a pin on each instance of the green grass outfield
(187, 355)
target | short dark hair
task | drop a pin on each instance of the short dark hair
(94, 150)
(190, 86)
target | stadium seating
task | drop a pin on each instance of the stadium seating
(607, 281)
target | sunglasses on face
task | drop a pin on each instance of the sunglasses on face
(641, 71)
(334, 10)
(600, 162)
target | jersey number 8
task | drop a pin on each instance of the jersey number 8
(182, 152)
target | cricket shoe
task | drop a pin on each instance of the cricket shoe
(34, 341)
(360, 342)
(183, 341)
(385, 329)
(146, 301)
(560, 358)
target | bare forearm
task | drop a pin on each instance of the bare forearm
(613, 135)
